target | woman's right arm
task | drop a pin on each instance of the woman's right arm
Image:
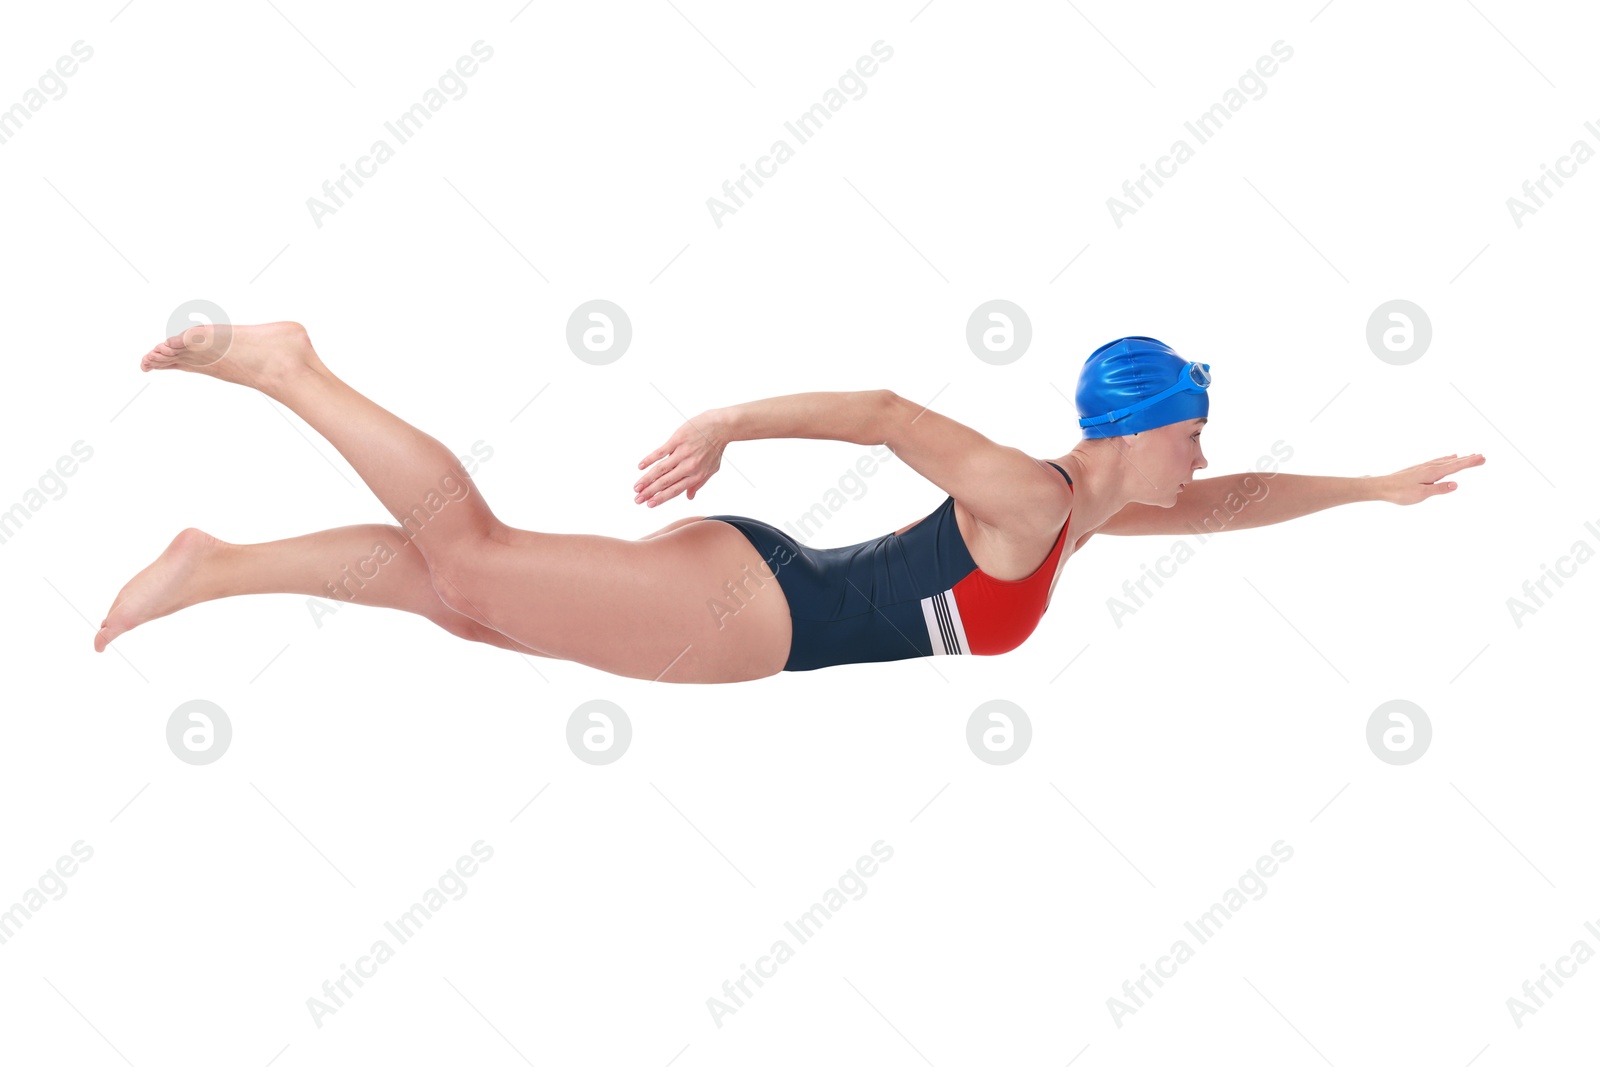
(856, 417)
(694, 451)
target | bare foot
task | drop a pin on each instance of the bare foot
(166, 586)
(257, 356)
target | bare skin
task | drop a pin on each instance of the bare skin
(197, 567)
(632, 608)
(640, 609)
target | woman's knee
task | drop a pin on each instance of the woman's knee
(468, 629)
(447, 585)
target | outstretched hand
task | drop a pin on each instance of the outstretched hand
(1422, 481)
(685, 463)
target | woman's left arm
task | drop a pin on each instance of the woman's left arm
(1255, 498)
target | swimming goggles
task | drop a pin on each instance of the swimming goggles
(1194, 378)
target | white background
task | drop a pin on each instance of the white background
(368, 754)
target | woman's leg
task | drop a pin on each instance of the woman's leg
(657, 608)
(416, 478)
(371, 564)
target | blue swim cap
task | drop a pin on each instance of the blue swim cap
(1137, 383)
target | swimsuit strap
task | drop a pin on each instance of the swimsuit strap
(1064, 474)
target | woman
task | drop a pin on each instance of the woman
(724, 598)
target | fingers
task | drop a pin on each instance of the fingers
(654, 475)
(1438, 468)
(663, 491)
(1453, 463)
(653, 456)
(661, 485)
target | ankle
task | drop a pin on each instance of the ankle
(283, 380)
(212, 567)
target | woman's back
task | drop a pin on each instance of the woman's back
(915, 592)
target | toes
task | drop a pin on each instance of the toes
(161, 357)
(107, 634)
(200, 337)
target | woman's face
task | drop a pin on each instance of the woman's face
(1170, 458)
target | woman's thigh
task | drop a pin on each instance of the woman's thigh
(696, 604)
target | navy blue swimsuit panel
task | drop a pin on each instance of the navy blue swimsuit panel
(862, 603)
